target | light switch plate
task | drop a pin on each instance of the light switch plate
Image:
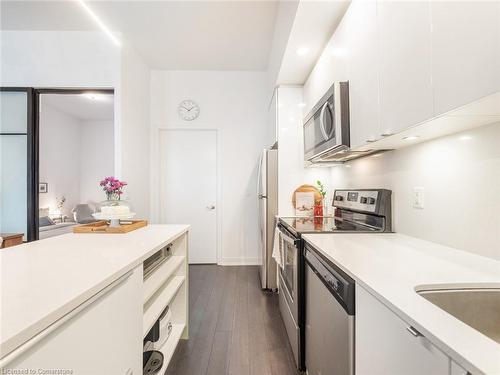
(418, 197)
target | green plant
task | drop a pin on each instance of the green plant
(321, 188)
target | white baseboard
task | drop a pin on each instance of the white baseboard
(236, 261)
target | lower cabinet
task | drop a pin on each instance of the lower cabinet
(102, 336)
(385, 344)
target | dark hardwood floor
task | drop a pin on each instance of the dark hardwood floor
(234, 327)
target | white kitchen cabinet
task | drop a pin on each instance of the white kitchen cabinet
(363, 72)
(404, 34)
(104, 335)
(339, 51)
(272, 120)
(384, 344)
(465, 52)
(332, 66)
(408, 62)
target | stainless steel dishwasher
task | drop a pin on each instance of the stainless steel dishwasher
(329, 317)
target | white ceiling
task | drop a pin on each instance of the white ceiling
(173, 35)
(80, 106)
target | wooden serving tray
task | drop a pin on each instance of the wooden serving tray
(103, 227)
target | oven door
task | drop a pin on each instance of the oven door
(289, 273)
(288, 292)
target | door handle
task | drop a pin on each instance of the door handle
(210, 207)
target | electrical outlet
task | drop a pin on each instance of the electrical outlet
(418, 197)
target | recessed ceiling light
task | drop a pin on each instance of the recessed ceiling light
(301, 105)
(302, 51)
(411, 138)
(465, 138)
(101, 25)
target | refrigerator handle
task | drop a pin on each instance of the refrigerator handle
(262, 160)
(258, 176)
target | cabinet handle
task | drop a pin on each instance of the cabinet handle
(371, 140)
(386, 134)
(413, 331)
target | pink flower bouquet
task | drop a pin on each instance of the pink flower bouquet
(112, 187)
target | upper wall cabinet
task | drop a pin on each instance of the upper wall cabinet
(465, 52)
(404, 34)
(332, 66)
(363, 72)
(409, 62)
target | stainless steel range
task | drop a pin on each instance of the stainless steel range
(356, 211)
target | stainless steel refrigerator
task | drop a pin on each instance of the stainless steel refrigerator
(268, 208)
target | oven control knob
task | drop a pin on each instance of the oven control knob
(339, 198)
(371, 200)
(363, 200)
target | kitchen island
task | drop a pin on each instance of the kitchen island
(80, 302)
(396, 329)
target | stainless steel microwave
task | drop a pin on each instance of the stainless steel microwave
(326, 127)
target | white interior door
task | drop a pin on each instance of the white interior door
(188, 188)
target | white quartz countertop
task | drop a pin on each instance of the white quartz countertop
(391, 266)
(44, 280)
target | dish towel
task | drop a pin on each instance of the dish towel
(277, 251)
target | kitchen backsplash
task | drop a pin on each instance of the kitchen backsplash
(460, 177)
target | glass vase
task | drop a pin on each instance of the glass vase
(318, 209)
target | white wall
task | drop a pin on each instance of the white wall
(234, 103)
(74, 156)
(291, 169)
(58, 59)
(97, 158)
(460, 175)
(282, 28)
(133, 135)
(60, 153)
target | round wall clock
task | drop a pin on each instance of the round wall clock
(189, 110)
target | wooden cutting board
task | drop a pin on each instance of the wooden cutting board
(307, 189)
(103, 227)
